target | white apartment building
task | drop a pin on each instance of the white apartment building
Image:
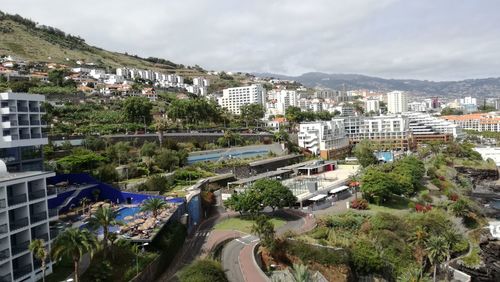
(24, 213)
(320, 136)
(372, 105)
(397, 102)
(477, 121)
(201, 82)
(233, 98)
(422, 123)
(468, 101)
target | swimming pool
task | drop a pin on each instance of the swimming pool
(121, 214)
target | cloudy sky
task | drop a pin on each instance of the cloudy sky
(424, 39)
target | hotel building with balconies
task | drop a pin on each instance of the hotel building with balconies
(24, 212)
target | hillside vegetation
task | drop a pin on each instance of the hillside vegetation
(26, 39)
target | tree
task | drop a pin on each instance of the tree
(84, 202)
(274, 194)
(203, 270)
(364, 153)
(437, 250)
(251, 113)
(161, 125)
(56, 77)
(138, 110)
(245, 202)
(377, 185)
(450, 111)
(107, 173)
(167, 159)
(293, 115)
(94, 143)
(40, 252)
(80, 160)
(103, 218)
(74, 243)
(264, 228)
(154, 205)
(148, 149)
(119, 151)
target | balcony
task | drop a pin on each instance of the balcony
(18, 199)
(34, 109)
(14, 122)
(23, 122)
(25, 136)
(8, 109)
(19, 248)
(3, 228)
(36, 135)
(6, 278)
(4, 254)
(53, 233)
(51, 191)
(22, 271)
(34, 122)
(36, 217)
(19, 223)
(36, 194)
(3, 203)
(22, 109)
(53, 212)
(44, 237)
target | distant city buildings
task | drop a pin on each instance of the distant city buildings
(278, 100)
(233, 98)
(397, 102)
(372, 106)
(477, 121)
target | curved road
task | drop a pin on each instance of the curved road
(237, 256)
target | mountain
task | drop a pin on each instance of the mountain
(485, 87)
(25, 39)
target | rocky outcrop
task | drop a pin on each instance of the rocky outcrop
(478, 175)
(489, 269)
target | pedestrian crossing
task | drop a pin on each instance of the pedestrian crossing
(248, 239)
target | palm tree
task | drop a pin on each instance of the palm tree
(37, 247)
(413, 275)
(84, 202)
(300, 273)
(74, 243)
(161, 125)
(103, 217)
(437, 250)
(418, 239)
(153, 205)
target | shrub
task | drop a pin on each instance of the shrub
(308, 253)
(203, 270)
(359, 204)
(348, 220)
(365, 258)
(320, 233)
(453, 197)
(422, 208)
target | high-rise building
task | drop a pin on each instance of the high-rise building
(24, 213)
(372, 105)
(233, 98)
(397, 102)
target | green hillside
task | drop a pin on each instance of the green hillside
(25, 39)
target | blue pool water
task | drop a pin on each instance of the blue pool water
(122, 213)
(228, 154)
(385, 156)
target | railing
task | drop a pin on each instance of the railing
(18, 199)
(14, 137)
(24, 122)
(25, 136)
(13, 122)
(22, 271)
(36, 135)
(44, 237)
(34, 122)
(3, 203)
(20, 223)
(19, 248)
(38, 217)
(53, 212)
(51, 191)
(34, 109)
(4, 228)
(5, 254)
(6, 278)
(22, 109)
(36, 194)
(53, 233)
(11, 108)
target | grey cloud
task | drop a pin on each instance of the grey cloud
(424, 39)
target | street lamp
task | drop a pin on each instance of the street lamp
(137, 258)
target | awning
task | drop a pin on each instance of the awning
(318, 197)
(339, 189)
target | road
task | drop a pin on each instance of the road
(231, 260)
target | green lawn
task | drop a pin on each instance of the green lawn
(243, 224)
(394, 205)
(60, 271)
